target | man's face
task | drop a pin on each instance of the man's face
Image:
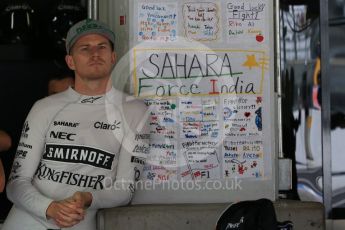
(91, 58)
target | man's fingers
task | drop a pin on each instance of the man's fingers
(67, 208)
(71, 216)
(67, 220)
(65, 224)
(65, 213)
(73, 207)
(69, 212)
(63, 216)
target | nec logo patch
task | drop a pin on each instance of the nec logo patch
(62, 135)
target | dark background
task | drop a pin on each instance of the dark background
(30, 53)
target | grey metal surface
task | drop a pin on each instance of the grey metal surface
(326, 109)
(304, 215)
(278, 78)
(285, 174)
(92, 9)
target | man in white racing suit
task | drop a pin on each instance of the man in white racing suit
(82, 149)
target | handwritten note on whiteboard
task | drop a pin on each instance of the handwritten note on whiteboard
(243, 158)
(242, 116)
(247, 21)
(199, 160)
(201, 21)
(162, 119)
(157, 22)
(161, 164)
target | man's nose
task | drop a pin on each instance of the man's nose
(95, 50)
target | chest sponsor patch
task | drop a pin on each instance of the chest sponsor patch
(70, 178)
(66, 124)
(79, 154)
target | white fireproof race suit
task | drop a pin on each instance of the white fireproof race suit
(72, 142)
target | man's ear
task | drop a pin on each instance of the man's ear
(113, 58)
(69, 62)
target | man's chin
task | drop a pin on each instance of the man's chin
(97, 76)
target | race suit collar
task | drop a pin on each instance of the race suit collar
(95, 99)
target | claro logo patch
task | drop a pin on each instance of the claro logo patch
(106, 126)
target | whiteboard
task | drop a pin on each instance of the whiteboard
(206, 71)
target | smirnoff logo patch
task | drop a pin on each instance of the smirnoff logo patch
(79, 154)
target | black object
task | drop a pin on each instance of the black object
(64, 15)
(248, 215)
(286, 225)
(17, 23)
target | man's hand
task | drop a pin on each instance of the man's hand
(5, 141)
(65, 213)
(81, 199)
(70, 211)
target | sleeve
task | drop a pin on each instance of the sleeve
(133, 153)
(20, 189)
